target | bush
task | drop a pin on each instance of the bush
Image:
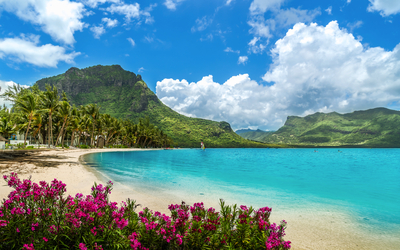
(83, 146)
(30, 147)
(39, 216)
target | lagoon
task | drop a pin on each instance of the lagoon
(361, 182)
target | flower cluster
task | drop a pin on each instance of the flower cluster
(39, 216)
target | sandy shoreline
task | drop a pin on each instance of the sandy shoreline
(307, 229)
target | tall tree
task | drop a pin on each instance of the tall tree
(50, 103)
(64, 112)
(93, 111)
(27, 105)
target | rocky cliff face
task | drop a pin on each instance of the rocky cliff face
(99, 80)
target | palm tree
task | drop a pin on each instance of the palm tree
(93, 111)
(65, 114)
(37, 126)
(50, 103)
(28, 105)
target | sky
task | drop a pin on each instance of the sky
(251, 63)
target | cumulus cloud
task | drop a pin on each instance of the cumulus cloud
(128, 10)
(26, 49)
(3, 87)
(58, 18)
(315, 68)
(171, 4)
(97, 31)
(281, 18)
(242, 60)
(95, 3)
(385, 7)
(110, 22)
(131, 41)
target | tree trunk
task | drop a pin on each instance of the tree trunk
(91, 137)
(50, 131)
(61, 131)
(72, 138)
(62, 140)
(26, 134)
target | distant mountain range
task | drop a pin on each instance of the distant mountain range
(123, 94)
(254, 135)
(379, 127)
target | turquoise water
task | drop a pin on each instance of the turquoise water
(362, 182)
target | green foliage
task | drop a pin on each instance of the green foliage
(254, 135)
(123, 94)
(377, 127)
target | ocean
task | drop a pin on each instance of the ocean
(364, 183)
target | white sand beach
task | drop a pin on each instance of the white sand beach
(307, 229)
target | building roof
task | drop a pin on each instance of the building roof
(2, 138)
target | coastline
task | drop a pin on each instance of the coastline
(310, 228)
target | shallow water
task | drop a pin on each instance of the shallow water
(363, 182)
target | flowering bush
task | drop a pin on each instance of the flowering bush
(39, 216)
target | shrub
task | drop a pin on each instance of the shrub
(30, 147)
(83, 146)
(39, 216)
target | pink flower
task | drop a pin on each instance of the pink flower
(45, 239)
(28, 247)
(82, 246)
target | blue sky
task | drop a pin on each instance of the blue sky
(251, 62)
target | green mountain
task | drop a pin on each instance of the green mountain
(123, 94)
(379, 127)
(254, 135)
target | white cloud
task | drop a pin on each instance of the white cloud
(97, 31)
(229, 49)
(3, 87)
(288, 17)
(329, 10)
(141, 69)
(354, 25)
(202, 23)
(281, 18)
(228, 2)
(385, 7)
(256, 46)
(171, 4)
(260, 28)
(95, 3)
(315, 68)
(261, 6)
(148, 39)
(110, 22)
(58, 18)
(131, 41)
(26, 49)
(242, 60)
(128, 10)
